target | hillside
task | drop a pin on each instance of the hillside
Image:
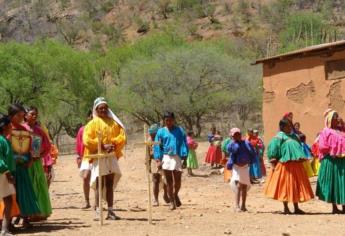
(98, 24)
(146, 56)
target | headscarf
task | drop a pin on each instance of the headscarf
(328, 114)
(154, 129)
(286, 114)
(233, 131)
(111, 115)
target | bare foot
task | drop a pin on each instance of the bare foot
(237, 209)
(244, 209)
(155, 203)
(172, 205)
(178, 201)
(166, 198)
(87, 206)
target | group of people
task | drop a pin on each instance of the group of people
(26, 168)
(288, 180)
(27, 157)
(218, 154)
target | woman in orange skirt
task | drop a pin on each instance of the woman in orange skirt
(288, 181)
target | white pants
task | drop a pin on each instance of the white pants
(240, 174)
(171, 163)
(85, 165)
(109, 165)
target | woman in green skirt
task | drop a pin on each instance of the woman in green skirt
(331, 180)
(40, 147)
(20, 140)
(192, 161)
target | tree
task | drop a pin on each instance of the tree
(60, 81)
(305, 29)
(193, 82)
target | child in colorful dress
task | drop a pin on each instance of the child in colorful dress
(242, 154)
(261, 152)
(255, 166)
(7, 171)
(214, 153)
(192, 161)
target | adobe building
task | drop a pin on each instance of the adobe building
(305, 82)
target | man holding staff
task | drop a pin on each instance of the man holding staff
(169, 155)
(106, 125)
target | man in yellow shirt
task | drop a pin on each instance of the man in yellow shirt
(113, 141)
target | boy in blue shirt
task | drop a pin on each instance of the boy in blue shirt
(173, 149)
(242, 154)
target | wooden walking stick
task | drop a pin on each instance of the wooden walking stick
(148, 173)
(98, 157)
(148, 144)
(100, 186)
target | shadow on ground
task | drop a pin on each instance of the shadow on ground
(50, 227)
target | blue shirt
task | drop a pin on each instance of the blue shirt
(210, 138)
(306, 150)
(172, 142)
(241, 153)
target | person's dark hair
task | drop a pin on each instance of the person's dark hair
(32, 108)
(14, 109)
(4, 120)
(169, 114)
(302, 137)
(283, 123)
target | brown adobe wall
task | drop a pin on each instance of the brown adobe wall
(299, 85)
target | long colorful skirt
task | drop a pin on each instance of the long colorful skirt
(315, 165)
(192, 161)
(40, 186)
(288, 182)
(263, 167)
(308, 168)
(26, 197)
(331, 180)
(255, 168)
(214, 155)
(14, 209)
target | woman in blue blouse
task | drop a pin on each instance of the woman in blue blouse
(169, 154)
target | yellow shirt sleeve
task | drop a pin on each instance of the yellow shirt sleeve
(90, 139)
(119, 140)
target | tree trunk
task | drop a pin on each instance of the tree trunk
(198, 125)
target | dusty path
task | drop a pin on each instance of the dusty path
(207, 208)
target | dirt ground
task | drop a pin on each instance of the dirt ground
(207, 207)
